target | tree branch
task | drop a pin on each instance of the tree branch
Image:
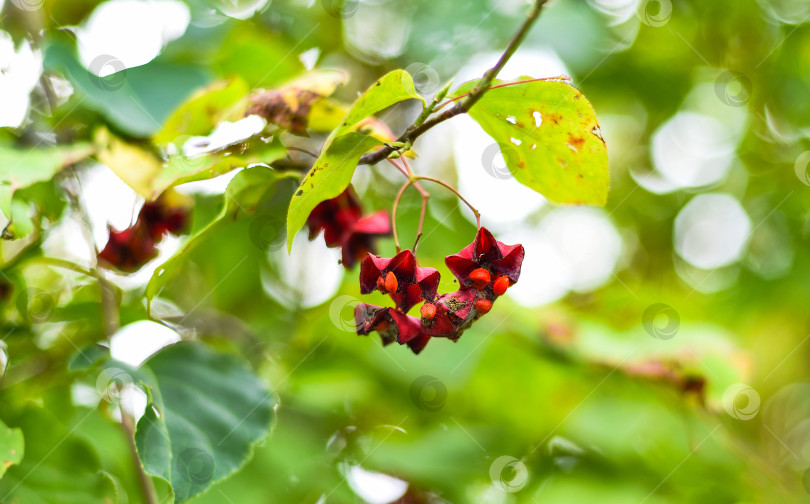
(416, 129)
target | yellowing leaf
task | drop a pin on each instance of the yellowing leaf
(290, 106)
(549, 137)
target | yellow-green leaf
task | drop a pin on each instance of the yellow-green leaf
(549, 137)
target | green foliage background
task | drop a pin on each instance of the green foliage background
(596, 409)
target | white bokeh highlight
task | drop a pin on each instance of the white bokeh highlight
(306, 277)
(692, 150)
(129, 32)
(711, 231)
(136, 342)
(573, 249)
(374, 487)
(20, 69)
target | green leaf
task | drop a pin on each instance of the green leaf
(180, 169)
(392, 88)
(204, 110)
(207, 412)
(21, 168)
(247, 189)
(57, 466)
(129, 99)
(11, 447)
(331, 174)
(564, 158)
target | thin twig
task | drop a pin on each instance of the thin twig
(416, 130)
(505, 84)
(455, 191)
(394, 213)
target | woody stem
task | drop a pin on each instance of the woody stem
(454, 191)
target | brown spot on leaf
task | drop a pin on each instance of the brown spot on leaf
(576, 142)
(299, 193)
(553, 118)
(287, 108)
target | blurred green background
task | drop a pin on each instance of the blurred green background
(654, 351)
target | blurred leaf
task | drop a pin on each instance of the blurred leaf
(257, 55)
(133, 164)
(22, 168)
(181, 169)
(87, 357)
(549, 137)
(206, 108)
(11, 447)
(247, 189)
(147, 175)
(207, 412)
(330, 175)
(128, 99)
(57, 466)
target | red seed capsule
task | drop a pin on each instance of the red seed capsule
(391, 283)
(382, 326)
(500, 285)
(482, 306)
(480, 278)
(428, 311)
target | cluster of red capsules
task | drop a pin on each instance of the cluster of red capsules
(485, 269)
(133, 247)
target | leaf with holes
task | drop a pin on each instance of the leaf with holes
(247, 189)
(549, 137)
(206, 412)
(330, 175)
